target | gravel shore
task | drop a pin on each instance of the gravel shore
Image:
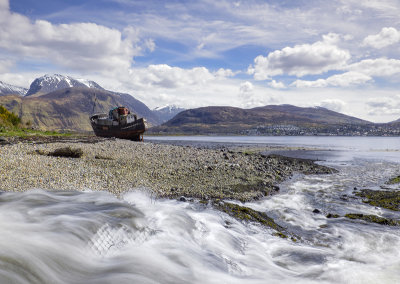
(168, 171)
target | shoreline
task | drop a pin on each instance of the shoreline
(212, 176)
(167, 171)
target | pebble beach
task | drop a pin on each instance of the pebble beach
(169, 171)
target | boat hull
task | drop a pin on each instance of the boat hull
(132, 131)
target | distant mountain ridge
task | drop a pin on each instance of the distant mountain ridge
(7, 89)
(57, 102)
(319, 115)
(226, 119)
(49, 83)
(167, 112)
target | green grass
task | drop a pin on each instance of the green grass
(23, 132)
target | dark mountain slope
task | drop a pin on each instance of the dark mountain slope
(236, 120)
(317, 115)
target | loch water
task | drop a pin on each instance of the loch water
(94, 237)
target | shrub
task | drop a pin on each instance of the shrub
(7, 117)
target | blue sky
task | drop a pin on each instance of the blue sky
(339, 54)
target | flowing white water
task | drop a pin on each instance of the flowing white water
(93, 237)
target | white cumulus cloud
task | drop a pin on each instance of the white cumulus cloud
(380, 67)
(170, 77)
(221, 72)
(246, 89)
(161, 84)
(340, 80)
(386, 37)
(78, 46)
(301, 60)
(357, 73)
(251, 96)
(333, 104)
(276, 85)
(384, 105)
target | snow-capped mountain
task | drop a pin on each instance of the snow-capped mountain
(7, 89)
(50, 83)
(167, 112)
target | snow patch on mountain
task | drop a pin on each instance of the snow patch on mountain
(167, 112)
(89, 84)
(7, 89)
(49, 83)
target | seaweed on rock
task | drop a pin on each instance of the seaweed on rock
(373, 219)
(250, 215)
(381, 198)
(395, 180)
(67, 152)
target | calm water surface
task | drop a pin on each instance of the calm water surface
(93, 237)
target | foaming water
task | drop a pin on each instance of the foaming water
(92, 237)
(354, 251)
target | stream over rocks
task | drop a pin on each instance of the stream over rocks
(95, 237)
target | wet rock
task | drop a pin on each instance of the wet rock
(316, 211)
(394, 180)
(280, 234)
(182, 198)
(227, 224)
(101, 157)
(381, 198)
(248, 214)
(40, 152)
(330, 215)
(373, 219)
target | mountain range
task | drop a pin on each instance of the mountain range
(57, 102)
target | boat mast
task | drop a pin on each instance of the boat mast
(94, 102)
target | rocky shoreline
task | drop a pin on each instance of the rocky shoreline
(208, 175)
(166, 171)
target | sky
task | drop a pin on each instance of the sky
(340, 54)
